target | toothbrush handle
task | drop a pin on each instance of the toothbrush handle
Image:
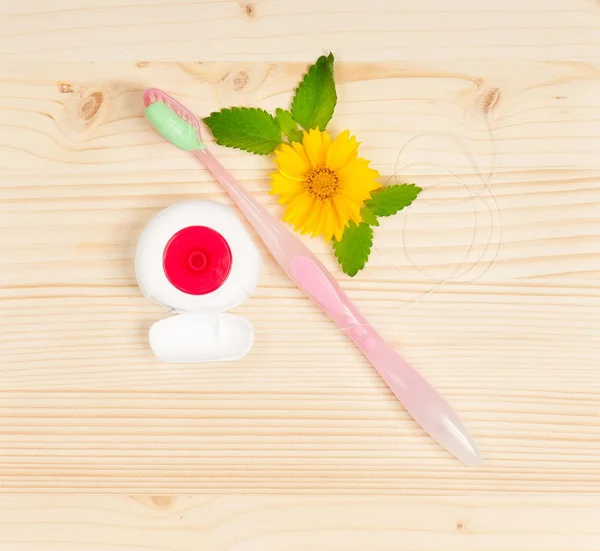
(420, 399)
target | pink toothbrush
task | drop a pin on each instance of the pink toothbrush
(180, 127)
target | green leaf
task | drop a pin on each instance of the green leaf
(391, 199)
(352, 250)
(250, 129)
(369, 216)
(288, 125)
(315, 97)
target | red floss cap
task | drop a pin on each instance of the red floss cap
(197, 260)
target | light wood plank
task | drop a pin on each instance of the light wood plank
(243, 523)
(256, 30)
(513, 343)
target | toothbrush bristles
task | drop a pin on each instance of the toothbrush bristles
(176, 107)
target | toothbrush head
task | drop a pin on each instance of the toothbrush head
(176, 123)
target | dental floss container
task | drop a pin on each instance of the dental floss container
(196, 259)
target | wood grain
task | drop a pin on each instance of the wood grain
(488, 284)
(284, 30)
(295, 523)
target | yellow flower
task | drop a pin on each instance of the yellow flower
(323, 183)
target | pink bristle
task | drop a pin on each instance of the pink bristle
(153, 95)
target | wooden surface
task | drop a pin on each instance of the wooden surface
(319, 523)
(488, 284)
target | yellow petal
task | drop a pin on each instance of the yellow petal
(339, 231)
(326, 145)
(286, 189)
(304, 206)
(337, 225)
(347, 209)
(311, 224)
(358, 181)
(316, 144)
(299, 148)
(291, 164)
(341, 209)
(355, 213)
(343, 150)
(328, 216)
(342, 217)
(358, 167)
(355, 193)
(321, 226)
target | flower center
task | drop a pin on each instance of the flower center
(322, 183)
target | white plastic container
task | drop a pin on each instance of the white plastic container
(196, 259)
